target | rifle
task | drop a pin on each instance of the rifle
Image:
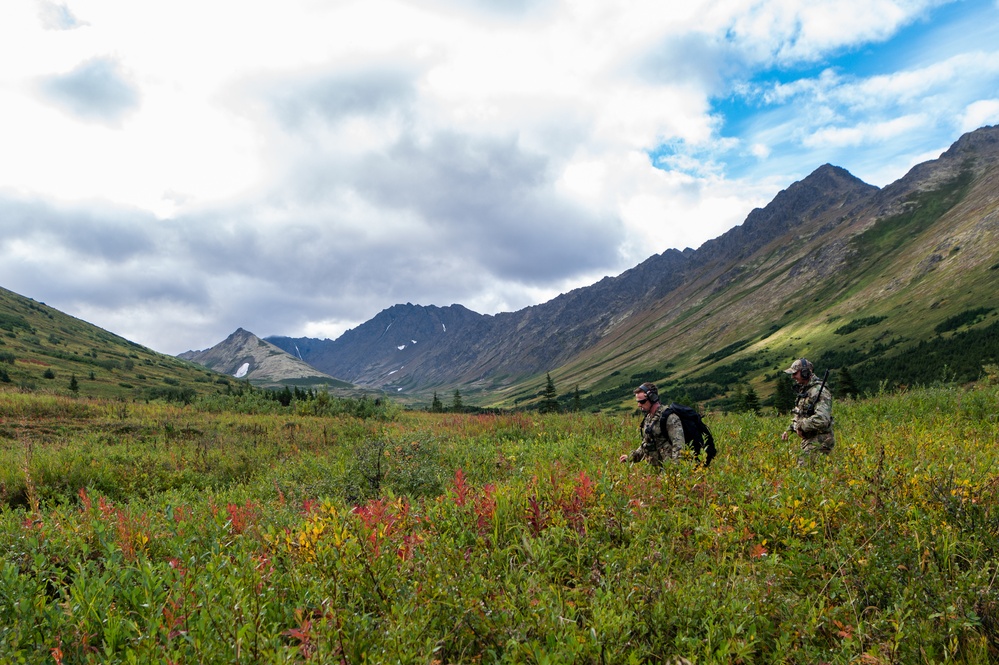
(809, 410)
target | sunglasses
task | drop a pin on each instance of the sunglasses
(642, 401)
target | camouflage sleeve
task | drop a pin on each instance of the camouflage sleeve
(674, 432)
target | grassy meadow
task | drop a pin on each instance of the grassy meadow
(234, 532)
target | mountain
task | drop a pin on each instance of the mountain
(892, 285)
(42, 348)
(243, 355)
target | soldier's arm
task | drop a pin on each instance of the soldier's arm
(822, 418)
(674, 431)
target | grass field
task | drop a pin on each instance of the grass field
(141, 533)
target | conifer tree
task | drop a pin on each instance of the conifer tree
(750, 400)
(74, 385)
(436, 406)
(847, 388)
(784, 393)
(577, 403)
(456, 404)
(549, 398)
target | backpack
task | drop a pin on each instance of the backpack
(695, 432)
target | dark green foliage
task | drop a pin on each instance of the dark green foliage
(179, 395)
(7, 357)
(652, 374)
(782, 398)
(411, 468)
(456, 405)
(843, 357)
(690, 393)
(365, 472)
(750, 400)
(968, 317)
(847, 388)
(857, 324)
(726, 351)
(709, 385)
(436, 406)
(74, 385)
(11, 322)
(606, 397)
(770, 331)
(957, 358)
(48, 374)
(549, 399)
(737, 371)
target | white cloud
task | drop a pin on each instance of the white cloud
(789, 31)
(863, 133)
(980, 113)
(55, 16)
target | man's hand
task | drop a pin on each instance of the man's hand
(783, 435)
(624, 458)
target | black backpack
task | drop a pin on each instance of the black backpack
(695, 432)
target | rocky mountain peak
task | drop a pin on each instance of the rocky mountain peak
(243, 355)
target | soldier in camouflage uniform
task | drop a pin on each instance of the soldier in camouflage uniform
(661, 440)
(813, 426)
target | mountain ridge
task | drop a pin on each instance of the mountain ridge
(829, 238)
(243, 355)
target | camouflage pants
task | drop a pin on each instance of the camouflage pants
(813, 446)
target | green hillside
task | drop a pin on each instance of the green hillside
(888, 299)
(43, 349)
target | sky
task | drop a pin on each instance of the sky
(174, 171)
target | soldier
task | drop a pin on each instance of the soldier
(812, 411)
(660, 440)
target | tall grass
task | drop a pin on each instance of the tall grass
(169, 534)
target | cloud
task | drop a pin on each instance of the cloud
(787, 33)
(980, 113)
(495, 7)
(96, 90)
(299, 100)
(84, 234)
(864, 133)
(57, 16)
(295, 171)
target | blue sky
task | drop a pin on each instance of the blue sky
(747, 111)
(295, 168)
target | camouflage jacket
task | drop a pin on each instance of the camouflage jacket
(659, 443)
(819, 422)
